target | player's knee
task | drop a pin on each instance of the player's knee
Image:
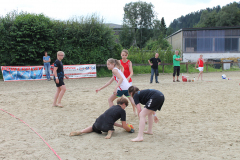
(63, 89)
(142, 115)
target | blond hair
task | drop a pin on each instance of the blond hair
(124, 50)
(116, 63)
(60, 52)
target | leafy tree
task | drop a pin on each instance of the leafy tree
(208, 19)
(169, 30)
(190, 20)
(160, 43)
(30, 35)
(229, 15)
(127, 36)
(163, 27)
(139, 15)
(6, 24)
(85, 40)
(156, 29)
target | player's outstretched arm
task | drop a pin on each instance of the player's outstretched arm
(107, 84)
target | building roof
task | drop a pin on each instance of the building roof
(112, 25)
(204, 28)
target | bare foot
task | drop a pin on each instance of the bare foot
(146, 132)
(109, 135)
(75, 133)
(137, 139)
(59, 105)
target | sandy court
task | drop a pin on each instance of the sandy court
(199, 120)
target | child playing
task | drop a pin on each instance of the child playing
(58, 78)
(153, 101)
(122, 83)
(105, 122)
(200, 63)
(128, 70)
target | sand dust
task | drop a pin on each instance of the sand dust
(199, 120)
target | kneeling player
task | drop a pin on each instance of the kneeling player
(106, 121)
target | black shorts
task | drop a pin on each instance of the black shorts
(155, 102)
(60, 82)
(176, 69)
(99, 127)
(96, 130)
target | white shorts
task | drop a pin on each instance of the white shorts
(200, 69)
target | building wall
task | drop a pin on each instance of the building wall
(193, 57)
(176, 41)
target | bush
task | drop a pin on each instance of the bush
(85, 40)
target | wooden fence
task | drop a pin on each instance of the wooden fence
(187, 64)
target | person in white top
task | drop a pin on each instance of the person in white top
(122, 83)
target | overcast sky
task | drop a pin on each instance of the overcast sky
(110, 10)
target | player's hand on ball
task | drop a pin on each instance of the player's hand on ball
(130, 126)
(132, 131)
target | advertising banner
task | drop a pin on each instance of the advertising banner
(22, 73)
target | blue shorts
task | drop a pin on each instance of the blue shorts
(123, 92)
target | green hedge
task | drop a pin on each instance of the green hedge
(85, 40)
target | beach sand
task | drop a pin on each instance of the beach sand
(198, 120)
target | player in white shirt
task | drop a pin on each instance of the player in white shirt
(122, 83)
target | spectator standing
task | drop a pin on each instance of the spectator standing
(154, 62)
(176, 65)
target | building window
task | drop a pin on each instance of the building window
(198, 44)
(226, 44)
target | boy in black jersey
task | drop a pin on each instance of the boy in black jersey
(58, 78)
(153, 101)
(106, 121)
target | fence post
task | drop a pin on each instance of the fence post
(222, 66)
(207, 67)
(187, 66)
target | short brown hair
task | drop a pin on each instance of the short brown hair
(122, 101)
(133, 90)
